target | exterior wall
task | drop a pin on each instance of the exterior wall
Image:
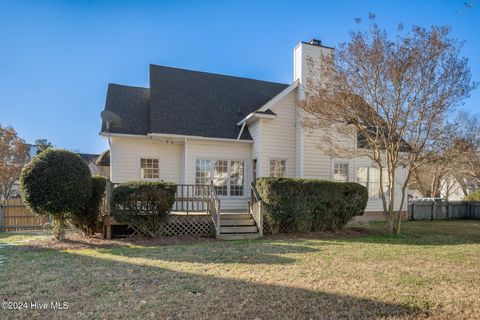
(278, 137)
(127, 152)
(255, 129)
(222, 151)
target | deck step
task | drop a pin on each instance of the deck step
(244, 229)
(235, 216)
(239, 236)
(237, 222)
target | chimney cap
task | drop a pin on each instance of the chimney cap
(315, 42)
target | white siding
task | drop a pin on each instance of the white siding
(127, 152)
(255, 129)
(277, 137)
(222, 151)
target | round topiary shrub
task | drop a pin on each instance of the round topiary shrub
(56, 182)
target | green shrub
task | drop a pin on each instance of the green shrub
(144, 206)
(302, 205)
(88, 218)
(56, 182)
(474, 196)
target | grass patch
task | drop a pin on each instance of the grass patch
(432, 270)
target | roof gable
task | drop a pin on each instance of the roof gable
(191, 103)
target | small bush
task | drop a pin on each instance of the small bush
(56, 182)
(302, 205)
(88, 218)
(474, 196)
(144, 206)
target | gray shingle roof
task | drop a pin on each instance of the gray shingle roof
(186, 102)
(132, 104)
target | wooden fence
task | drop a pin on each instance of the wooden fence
(14, 216)
(429, 209)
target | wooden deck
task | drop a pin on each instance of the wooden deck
(196, 205)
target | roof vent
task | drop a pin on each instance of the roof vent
(315, 42)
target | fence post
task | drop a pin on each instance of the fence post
(448, 210)
(1, 218)
(433, 210)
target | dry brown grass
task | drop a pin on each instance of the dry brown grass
(432, 271)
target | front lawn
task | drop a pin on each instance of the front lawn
(431, 271)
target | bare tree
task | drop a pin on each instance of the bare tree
(13, 156)
(395, 95)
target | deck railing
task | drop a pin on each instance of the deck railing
(188, 198)
(256, 208)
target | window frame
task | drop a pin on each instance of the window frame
(369, 182)
(340, 162)
(229, 161)
(285, 174)
(141, 175)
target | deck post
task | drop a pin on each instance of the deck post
(1, 218)
(217, 227)
(260, 218)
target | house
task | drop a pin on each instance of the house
(97, 163)
(194, 127)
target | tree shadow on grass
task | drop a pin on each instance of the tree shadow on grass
(245, 252)
(115, 287)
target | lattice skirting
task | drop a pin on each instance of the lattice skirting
(268, 230)
(183, 225)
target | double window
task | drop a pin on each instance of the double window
(370, 178)
(278, 168)
(149, 168)
(227, 175)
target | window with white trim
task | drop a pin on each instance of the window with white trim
(340, 171)
(236, 178)
(278, 168)
(227, 176)
(149, 168)
(370, 178)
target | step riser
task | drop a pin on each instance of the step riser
(238, 229)
(239, 236)
(236, 216)
(232, 222)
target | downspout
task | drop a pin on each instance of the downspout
(185, 160)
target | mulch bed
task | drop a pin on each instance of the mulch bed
(76, 241)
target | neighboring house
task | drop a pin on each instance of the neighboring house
(193, 127)
(96, 163)
(452, 190)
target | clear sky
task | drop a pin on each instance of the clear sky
(57, 57)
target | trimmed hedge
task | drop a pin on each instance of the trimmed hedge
(56, 182)
(302, 205)
(143, 205)
(88, 218)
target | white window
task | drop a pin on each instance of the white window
(149, 168)
(370, 178)
(236, 178)
(220, 177)
(202, 172)
(278, 168)
(340, 171)
(227, 176)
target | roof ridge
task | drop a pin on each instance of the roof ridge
(215, 74)
(126, 86)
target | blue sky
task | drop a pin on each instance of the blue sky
(57, 57)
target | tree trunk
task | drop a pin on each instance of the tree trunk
(61, 228)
